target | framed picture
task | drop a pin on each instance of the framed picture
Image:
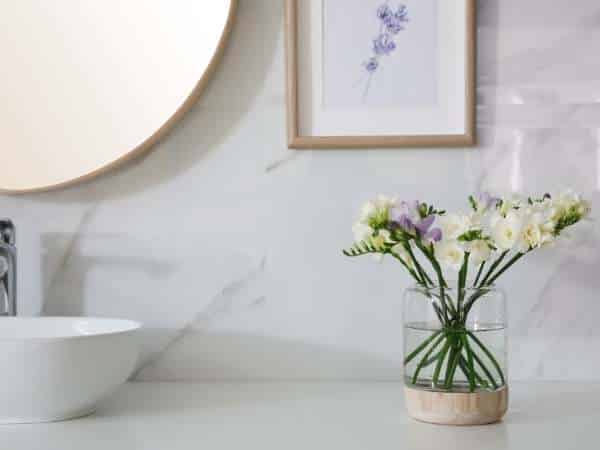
(380, 73)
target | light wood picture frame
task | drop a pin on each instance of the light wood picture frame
(300, 139)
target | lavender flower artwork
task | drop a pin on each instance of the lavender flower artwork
(391, 22)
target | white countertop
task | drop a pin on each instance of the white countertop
(287, 416)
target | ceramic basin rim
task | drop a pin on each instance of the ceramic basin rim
(121, 326)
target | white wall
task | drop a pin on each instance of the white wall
(227, 245)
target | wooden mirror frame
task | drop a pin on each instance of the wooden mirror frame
(167, 126)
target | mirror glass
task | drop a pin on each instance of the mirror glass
(86, 84)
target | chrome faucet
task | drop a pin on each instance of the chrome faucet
(8, 269)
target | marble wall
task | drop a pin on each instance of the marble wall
(226, 244)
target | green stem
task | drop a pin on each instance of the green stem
(438, 311)
(452, 362)
(493, 267)
(471, 374)
(430, 254)
(431, 359)
(417, 265)
(425, 358)
(412, 272)
(462, 279)
(513, 260)
(469, 304)
(444, 304)
(420, 348)
(489, 355)
(481, 266)
(438, 270)
(484, 368)
(485, 283)
(448, 301)
(438, 366)
(462, 363)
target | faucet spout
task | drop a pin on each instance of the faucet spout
(8, 268)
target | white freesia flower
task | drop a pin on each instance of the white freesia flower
(584, 208)
(495, 225)
(453, 225)
(362, 232)
(566, 198)
(506, 230)
(510, 204)
(449, 253)
(531, 233)
(375, 213)
(478, 218)
(483, 202)
(538, 226)
(401, 253)
(367, 211)
(383, 202)
(479, 251)
(569, 203)
(383, 237)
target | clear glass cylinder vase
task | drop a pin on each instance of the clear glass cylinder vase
(455, 340)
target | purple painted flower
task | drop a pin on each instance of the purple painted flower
(393, 22)
(371, 65)
(390, 25)
(383, 44)
(384, 11)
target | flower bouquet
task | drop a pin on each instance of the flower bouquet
(454, 316)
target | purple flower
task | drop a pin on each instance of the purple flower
(427, 233)
(384, 11)
(435, 234)
(402, 13)
(406, 224)
(393, 22)
(383, 44)
(424, 224)
(487, 200)
(404, 211)
(371, 65)
(390, 25)
(406, 217)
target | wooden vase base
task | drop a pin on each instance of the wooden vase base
(456, 408)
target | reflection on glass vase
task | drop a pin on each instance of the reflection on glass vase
(455, 354)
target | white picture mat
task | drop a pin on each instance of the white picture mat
(447, 117)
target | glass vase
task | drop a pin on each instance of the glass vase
(455, 354)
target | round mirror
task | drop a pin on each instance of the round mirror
(86, 84)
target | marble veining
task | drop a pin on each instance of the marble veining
(226, 244)
(232, 296)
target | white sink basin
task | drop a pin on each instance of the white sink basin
(56, 368)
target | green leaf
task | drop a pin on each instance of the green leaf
(471, 235)
(473, 203)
